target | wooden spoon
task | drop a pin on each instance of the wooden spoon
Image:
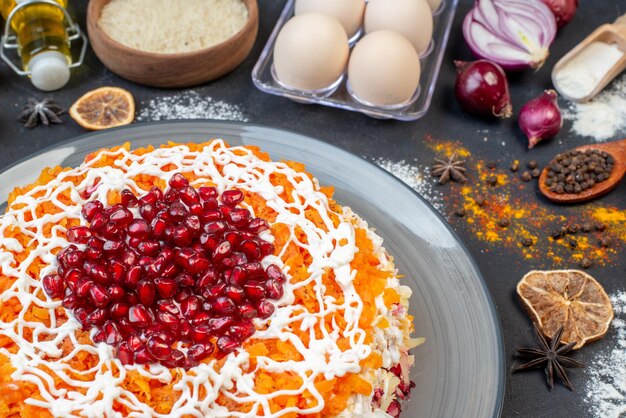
(617, 150)
(610, 34)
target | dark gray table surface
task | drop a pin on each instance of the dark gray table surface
(526, 394)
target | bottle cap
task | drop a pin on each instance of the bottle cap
(49, 70)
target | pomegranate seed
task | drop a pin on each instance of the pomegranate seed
(117, 293)
(214, 291)
(182, 236)
(224, 305)
(258, 225)
(217, 227)
(199, 352)
(146, 291)
(232, 197)
(265, 309)
(251, 249)
(167, 306)
(99, 221)
(190, 306)
(129, 257)
(177, 211)
(147, 212)
(185, 280)
(72, 259)
(134, 342)
(81, 316)
(189, 196)
(132, 277)
(128, 199)
(149, 248)
(118, 271)
(183, 255)
(178, 181)
(99, 273)
(111, 231)
(142, 356)
(53, 285)
(207, 192)
(211, 215)
(274, 289)
(254, 290)
(97, 317)
(153, 268)
(125, 327)
(242, 330)
(275, 273)
(184, 330)
(267, 248)
(239, 217)
(99, 295)
(238, 276)
(207, 306)
(222, 251)
(171, 196)
(211, 204)
(139, 316)
(238, 258)
(71, 302)
(193, 222)
(166, 287)
(83, 286)
(125, 354)
(71, 278)
(225, 210)
(158, 348)
(119, 310)
(196, 209)
(90, 209)
(61, 254)
(175, 359)
(167, 254)
(233, 237)
(217, 325)
(227, 344)
(200, 333)
(78, 234)
(235, 293)
(182, 295)
(201, 317)
(168, 320)
(112, 247)
(159, 225)
(158, 193)
(209, 241)
(247, 311)
(139, 228)
(197, 264)
(112, 336)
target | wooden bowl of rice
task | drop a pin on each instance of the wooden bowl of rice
(172, 43)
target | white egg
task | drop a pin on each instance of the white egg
(434, 4)
(348, 12)
(384, 69)
(311, 52)
(411, 18)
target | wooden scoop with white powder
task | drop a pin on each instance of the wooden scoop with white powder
(594, 63)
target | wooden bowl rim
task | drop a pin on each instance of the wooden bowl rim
(248, 27)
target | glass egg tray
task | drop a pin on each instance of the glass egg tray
(339, 95)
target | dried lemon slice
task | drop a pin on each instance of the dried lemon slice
(569, 298)
(104, 108)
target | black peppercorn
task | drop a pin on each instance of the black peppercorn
(535, 173)
(514, 166)
(526, 176)
(527, 242)
(480, 201)
(532, 164)
(585, 263)
(460, 213)
(504, 223)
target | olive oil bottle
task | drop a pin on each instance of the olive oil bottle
(42, 41)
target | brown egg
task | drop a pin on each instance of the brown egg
(348, 12)
(384, 69)
(411, 18)
(311, 52)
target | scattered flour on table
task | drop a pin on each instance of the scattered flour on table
(189, 105)
(604, 117)
(606, 390)
(416, 177)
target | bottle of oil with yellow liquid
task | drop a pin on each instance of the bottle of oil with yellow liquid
(41, 31)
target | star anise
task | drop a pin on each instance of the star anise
(552, 355)
(452, 169)
(45, 112)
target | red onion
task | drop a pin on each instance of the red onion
(482, 88)
(541, 118)
(564, 10)
(513, 33)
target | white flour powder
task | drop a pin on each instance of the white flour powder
(604, 117)
(606, 390)
(189, 105)
(416, 177)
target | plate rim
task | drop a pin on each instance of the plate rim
(500, 395)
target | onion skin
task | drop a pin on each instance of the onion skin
(482, 89)
(564, 10)
(541, 118)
